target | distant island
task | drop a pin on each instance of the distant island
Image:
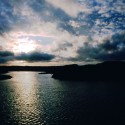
(106, 71)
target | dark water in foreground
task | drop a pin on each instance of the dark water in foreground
(32, 99)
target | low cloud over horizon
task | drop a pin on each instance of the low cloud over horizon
(70, 31)
(6, 56)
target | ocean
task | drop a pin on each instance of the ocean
(30, 98)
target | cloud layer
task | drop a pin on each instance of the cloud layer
(69, 30)
(7, 56)
(35, 56)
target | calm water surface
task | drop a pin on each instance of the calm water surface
(33, 99)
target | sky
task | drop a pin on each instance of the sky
(57, 32)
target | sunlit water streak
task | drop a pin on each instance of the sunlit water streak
(27, 107)
(23, 98)
(30, 99)
(33, 99)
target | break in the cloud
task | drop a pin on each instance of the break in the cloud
(69, 30)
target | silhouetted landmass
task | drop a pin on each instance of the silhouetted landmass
(106, 71)
(110, 71)
(2, 74)
(4, 77)
(3, 71)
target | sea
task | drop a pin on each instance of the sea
(30, 98)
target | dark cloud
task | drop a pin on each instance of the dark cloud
(35, 57)
(6, 53)
(6, 56)
(110, 49)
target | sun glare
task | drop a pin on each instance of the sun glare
(24, 46)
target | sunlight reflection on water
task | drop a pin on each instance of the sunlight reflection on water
(26, 107)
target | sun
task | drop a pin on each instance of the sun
(24, 46)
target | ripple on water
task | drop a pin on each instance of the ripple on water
(32, 99)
